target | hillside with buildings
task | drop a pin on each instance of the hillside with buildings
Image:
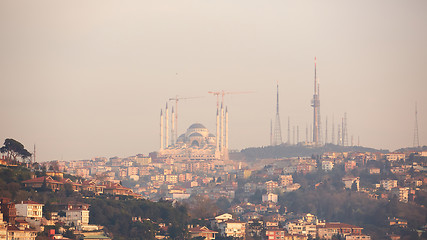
(331, 195)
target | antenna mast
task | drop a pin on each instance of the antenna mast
(416, 142)
(277, 138)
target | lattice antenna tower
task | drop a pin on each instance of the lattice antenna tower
(326, 131)
(344, 131)
(333, 130)
(277, 137)
(315, 103)
(289, 130)
(271, 132)
(416, 142)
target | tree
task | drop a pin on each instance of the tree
(14, 149)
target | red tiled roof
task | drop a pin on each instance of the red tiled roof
(14, 228)
(41, 179)
(201, 229)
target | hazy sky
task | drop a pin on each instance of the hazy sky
(88, 78)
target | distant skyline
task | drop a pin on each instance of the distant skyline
(82, 79)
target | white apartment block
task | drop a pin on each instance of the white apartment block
(77, 217)
(29, 209)
(388, 184)
(327, 165)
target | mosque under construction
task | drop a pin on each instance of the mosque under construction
(197, 143)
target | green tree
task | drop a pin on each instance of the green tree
(14, 149)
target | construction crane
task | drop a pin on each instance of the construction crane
(223, 93)
(176, 99)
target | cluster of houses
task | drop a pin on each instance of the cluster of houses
(87, 186)
(23, 220)
(301, 229)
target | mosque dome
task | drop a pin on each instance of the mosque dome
(195, 134)
(181, 138)
(196, 125)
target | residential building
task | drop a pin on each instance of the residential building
(374, 170)
(232, 228)
(286, 180)
(77, 217)
(357, 237)
(349, 181)
(275, 233)
(16, 233)
(270, 197)
(349, 165)
(8, 209)
(327, 165)
(395, 156)
(31, 212)
(219, 219)
(388, 184)
(271, 186)
(302, 228)
(327, 230)
(401, 193)
(202, 232)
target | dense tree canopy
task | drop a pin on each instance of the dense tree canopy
(14, 149)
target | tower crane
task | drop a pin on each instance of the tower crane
(176, 99)
(223, 93)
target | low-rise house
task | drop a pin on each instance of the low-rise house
(45, 181)
(388, 184)
(232, 228)
(219, 219)
(374, 170)
(398, 222)
(20, 233)
(202, 232)
(270, 197)
(357, 237)
(277, 233)
(327, 230)
(349, 181)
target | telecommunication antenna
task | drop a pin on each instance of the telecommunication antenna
(416, 142)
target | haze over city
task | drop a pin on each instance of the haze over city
(85, 79)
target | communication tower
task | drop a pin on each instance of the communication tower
(277, 137)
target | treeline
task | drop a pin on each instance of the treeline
(286, 151)
(117, 215)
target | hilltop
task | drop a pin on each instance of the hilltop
(288, 151)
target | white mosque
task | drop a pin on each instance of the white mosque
(197, 143)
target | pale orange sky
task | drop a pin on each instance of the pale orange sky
(88, 78)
